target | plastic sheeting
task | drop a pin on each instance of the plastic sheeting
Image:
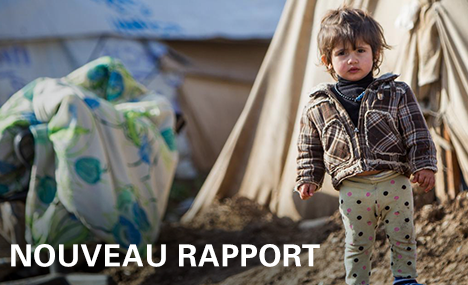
(174, 19)
(23, 62)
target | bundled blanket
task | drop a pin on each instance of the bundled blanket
(105, 157)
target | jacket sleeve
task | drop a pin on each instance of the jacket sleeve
(310, 167)
(421, 151)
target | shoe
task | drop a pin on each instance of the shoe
(405, 281)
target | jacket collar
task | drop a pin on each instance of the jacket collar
(323, 87)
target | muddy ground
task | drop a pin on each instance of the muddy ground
(442, 248)
(236, 222)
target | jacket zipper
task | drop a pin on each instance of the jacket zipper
(356, 129)
(366, 92)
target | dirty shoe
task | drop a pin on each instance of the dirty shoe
(405, 281)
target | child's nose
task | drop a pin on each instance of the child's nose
(352, 60)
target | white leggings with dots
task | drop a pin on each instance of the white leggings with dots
(365, 200)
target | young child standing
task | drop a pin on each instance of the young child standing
(370, 136)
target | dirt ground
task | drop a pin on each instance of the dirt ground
(442, 248)
(442, 253)
(442, 231)
(236, 222)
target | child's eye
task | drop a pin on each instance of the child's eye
(340, 53)
(361, 50)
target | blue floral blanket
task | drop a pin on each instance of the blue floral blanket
(105, 157)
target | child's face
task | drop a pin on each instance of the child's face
(352, 64)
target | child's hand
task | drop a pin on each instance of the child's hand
(307, 190)
(425, 178)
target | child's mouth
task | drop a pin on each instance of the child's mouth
(353, 70)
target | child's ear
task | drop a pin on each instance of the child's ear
(324, 60)
(377, 57)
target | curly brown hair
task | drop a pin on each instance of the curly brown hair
(349, 25)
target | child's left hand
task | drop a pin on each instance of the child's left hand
(425, 178)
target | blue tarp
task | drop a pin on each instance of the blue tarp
(174, 19)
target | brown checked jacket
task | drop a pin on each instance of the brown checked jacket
(391, 134)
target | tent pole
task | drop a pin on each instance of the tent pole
(452, 169)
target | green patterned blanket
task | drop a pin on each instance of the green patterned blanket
(105, 157)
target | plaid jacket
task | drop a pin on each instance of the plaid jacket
(391, 134)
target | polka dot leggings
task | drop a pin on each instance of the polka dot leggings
(363, 202)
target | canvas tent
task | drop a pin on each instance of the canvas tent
(258, 160)
(216, 85)
(434, 61)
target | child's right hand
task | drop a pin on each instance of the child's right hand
(307, 190)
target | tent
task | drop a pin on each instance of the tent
(181, 49)
(207, 51)
(217, 82)
(210, 49)
(177, 19)
(258, 159)
(434, 61)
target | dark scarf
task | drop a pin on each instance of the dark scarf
(354, 88)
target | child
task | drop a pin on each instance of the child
(370, 136)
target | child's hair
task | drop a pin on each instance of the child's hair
(347, 26)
